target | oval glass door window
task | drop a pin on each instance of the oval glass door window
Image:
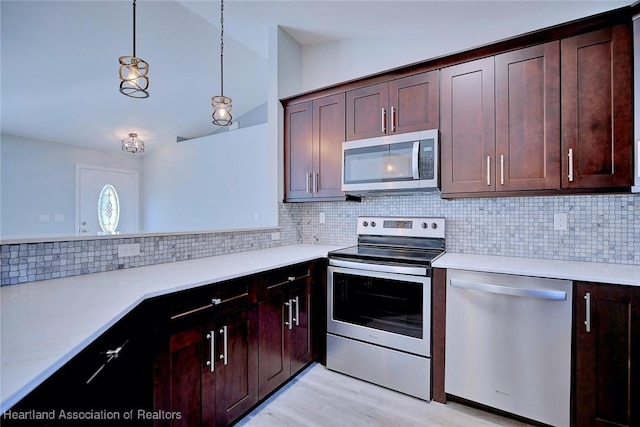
(108, 209)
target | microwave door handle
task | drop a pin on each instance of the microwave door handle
(414, 160)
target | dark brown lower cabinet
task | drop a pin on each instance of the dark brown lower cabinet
(207, 364)
(286, 341)
(109, 383)
(199, 357)
(607, 355)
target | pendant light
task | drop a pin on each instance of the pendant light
(133, 71)
(221, 104)
(133, 144)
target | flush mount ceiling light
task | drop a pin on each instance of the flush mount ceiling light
(133, 144)
(133, 71)
(221, 104)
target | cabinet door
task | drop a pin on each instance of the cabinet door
(237, 365)
(528, 118)
(184, 380)
(607, 352)
(298, 126)
(467, 123)
(301, 351)
(367, 114)
(596, 109)
(414, 102)
(328, 136)
(274, 367)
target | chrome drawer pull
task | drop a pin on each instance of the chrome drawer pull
(214, 301)
(289, 280)
(111, 354)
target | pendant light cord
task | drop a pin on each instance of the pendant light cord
(222, 47)
(134, 28)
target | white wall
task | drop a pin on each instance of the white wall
(215, 182)
(327, 64)
(38, 178)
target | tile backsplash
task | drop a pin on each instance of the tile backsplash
(28, 262)
(601, 228)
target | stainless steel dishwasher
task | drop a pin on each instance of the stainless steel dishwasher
(508, 343)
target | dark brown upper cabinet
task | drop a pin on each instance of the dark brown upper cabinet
(401, 105)
(514, 147)
(314, 133)
(467, 127)
(596, 109)
(528, 118)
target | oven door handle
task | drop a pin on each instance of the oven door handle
(397, 269)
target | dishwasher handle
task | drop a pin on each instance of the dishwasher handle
(546, 294)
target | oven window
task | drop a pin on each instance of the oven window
(384, 304)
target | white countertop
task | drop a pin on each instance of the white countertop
(44, 324)
(620, 274)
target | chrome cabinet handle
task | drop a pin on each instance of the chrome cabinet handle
(289, 322)
(383, 116)
(111, 354)
(501, 169)
(587, 311)
(223, 356)
(393, 119)
(570, 155)
(314, 188)
(488, 170)
(214, 301)
(307, 179)
(212, 347)
(296, 319)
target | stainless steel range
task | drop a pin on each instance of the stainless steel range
(379, 303)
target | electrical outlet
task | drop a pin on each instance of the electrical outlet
(275, 235)
(560, 221)
(128, 249)
(321, 218)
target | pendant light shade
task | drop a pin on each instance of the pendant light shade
(221, 104)
(133, 144)
(133, 71)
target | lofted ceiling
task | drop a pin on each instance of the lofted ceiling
(59, 70)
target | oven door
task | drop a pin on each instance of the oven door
(387, 309)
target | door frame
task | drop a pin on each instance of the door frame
(80, 167)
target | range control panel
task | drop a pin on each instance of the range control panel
(402, 226)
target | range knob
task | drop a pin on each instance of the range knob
(425, 225)
(373, 223)
(434, 225)
(365, 224)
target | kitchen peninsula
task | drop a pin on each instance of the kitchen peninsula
(46, 323)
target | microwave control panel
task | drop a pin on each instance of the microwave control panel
(427, 159)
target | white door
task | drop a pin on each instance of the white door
(90, 181)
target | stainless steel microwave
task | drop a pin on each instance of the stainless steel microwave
(402, 162)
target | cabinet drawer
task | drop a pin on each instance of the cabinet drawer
(281, 280)
(226, 297)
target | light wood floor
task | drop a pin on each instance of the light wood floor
(319, 397)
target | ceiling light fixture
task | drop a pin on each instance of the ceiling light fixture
(221, 104)
(133, 71)
(133, 144)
